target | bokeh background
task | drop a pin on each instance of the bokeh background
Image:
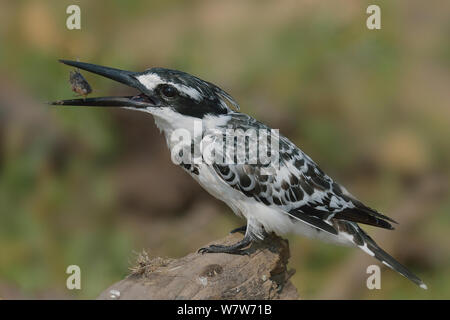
(92, 187)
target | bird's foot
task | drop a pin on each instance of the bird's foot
(222, 249)
(232, 249)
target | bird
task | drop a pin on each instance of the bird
(290, 195)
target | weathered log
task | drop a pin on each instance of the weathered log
(262, 274)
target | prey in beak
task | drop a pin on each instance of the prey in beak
(144, 100)
(79, 83)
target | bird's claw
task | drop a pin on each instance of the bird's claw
(222, 249)
(203, 250)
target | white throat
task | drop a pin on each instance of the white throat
(167, 120)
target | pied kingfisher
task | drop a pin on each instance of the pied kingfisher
(298, 197)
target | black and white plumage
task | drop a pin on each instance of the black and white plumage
(298, 197)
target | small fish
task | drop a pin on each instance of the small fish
(79, 83)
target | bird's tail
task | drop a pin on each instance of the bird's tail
(369, 246)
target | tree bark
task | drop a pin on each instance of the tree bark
(262, 274)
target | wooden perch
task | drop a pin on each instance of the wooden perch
(261, 275)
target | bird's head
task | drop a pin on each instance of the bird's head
(161, 91)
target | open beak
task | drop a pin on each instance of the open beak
(142, 100)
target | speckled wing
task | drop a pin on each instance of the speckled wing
(297, 186)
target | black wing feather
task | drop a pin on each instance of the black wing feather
(298, 186)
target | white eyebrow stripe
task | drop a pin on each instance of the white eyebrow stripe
(151, 81)
(188, 91)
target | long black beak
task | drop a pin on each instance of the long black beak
(143, 100)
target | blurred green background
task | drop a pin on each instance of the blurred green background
(91, 187)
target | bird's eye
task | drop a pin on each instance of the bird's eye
(168, 91)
